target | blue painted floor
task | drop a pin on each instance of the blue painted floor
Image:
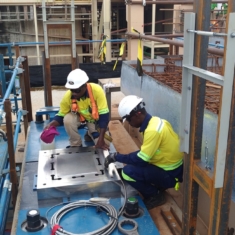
(61, 141)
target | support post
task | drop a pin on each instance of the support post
(11, 151)
(153, 29)
(107, 26)
(27, 89)
(191, 188)
(46, 80)
(36, 32)
(94, 29)
(135, 19)
(221, 197)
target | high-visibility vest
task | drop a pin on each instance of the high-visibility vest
(94, 108)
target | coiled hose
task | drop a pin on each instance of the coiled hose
(109, 209)
(105, 230)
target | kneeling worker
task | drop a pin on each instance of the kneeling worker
(83, 103)
(159, 163)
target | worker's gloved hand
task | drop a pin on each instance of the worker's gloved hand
(109, 159)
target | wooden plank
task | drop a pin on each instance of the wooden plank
(172, 221)
(213, 85)
(203, 177)
(122, 141)
(116, 97)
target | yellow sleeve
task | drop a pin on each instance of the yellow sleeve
(151, 143)
(65, 104)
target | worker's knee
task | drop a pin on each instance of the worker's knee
(70, 119)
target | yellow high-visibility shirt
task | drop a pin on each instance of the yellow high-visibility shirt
(84, 103)
(161, 145)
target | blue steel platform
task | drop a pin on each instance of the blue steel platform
(81, 220)
(61, 141)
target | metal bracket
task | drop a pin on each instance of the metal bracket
(6, 171)
(24, 112)
(19, 70)
(127, 2)
(21, 59)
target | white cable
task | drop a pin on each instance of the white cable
(105, 230)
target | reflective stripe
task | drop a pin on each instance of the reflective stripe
(103, 111)
(177, 184)
(171, 167)
(60, 114)
(143, 156)
(160, 126)
(126, 177)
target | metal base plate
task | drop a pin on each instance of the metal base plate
(72, 170)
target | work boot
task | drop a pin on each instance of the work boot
(156, 200)
(87, 138)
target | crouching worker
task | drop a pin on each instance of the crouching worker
(159, 163)
(83, 103)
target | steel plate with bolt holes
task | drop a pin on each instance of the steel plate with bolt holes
(71, 170)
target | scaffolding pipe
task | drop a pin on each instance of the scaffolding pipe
(4, 202)
(11, 84)
(213, 51)
(11, 150)
(56, 43)
(170, 2)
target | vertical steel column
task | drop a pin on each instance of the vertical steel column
(191, 188)
(107, 27)
(221, 197)
(36, 32)
(27, 88)
(73, 35)
(11, 150)
(46, 62)
(2, 76)
(24, 104)
(153, 29)
(135, 19)
(94, 29)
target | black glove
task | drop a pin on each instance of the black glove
(109, 159)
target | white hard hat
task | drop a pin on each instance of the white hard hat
(127, 104)
(76, 79)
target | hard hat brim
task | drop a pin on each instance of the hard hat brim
(69, 86)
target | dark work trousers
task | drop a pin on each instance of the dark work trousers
(149, 179)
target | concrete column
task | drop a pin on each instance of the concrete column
(36, 32)
(153, 29)
(94, 29)
(135, 19)
(107, 26)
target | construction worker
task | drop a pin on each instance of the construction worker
(83, 103)
(158, 165)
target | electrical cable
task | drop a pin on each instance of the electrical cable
(107, 208)
(105, 230)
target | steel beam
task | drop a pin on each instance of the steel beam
(221, 197)
(165, 2)
(191, 188)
